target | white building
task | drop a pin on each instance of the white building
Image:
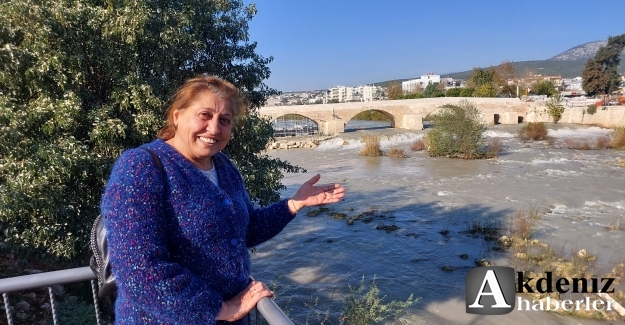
(415, 84)
(366, 93)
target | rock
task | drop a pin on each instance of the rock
(31, 296)
(345, 143)
(582, 253)
(45, 306)
(21, 315)
(521, 256)
(505, 241)
(464, 256)
(23, 306)
(482, 262)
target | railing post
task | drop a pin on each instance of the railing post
(7, 308)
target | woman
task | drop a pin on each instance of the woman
(179, 244)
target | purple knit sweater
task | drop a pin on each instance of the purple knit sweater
(180, 248)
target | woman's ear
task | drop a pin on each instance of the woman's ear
(175, 116)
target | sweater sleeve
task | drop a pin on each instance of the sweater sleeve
(134, 211)
(267, 222)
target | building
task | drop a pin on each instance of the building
(362, 93)
(417, 84)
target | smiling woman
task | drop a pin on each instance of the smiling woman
(178, 244)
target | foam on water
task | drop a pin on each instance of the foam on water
(498, 134)
(550, 161)
(593, 131)
(557, 172)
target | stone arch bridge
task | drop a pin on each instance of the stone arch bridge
(404, 114)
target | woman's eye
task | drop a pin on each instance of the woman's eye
(206, 115)
(225, 121)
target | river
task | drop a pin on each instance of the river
(581, 191)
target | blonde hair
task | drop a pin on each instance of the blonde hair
(189, 92)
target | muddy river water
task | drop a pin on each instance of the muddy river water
(416, 200)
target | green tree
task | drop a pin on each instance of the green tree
(432, 91)
(467, 92)
(81, 81)
(484, 81)
(457, 132)
(544, 87)
(453, 92)
(601, 73)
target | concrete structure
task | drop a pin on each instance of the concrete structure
(362, 93)
(415, 84)
(409, 114)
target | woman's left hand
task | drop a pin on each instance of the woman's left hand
(311, 195)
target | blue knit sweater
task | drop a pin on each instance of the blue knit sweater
(179, 248)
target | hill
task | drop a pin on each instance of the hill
(568, 64)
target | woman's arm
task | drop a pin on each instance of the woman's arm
(133, 208)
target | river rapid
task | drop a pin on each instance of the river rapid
(432, 202)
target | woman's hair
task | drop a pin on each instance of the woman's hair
(189, 92)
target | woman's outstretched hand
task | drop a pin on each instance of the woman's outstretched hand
(310, 194)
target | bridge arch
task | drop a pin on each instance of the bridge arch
(292, 124)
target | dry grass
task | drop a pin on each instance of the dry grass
(576, 144)
(618, 138)
(524, 222)
(372, 146)
(418, 145)
(603, 142)
(533, 132)
(396, 152)
(494, 148)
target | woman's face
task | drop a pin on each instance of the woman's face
(203, 128)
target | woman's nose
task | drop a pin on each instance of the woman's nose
(213, 126)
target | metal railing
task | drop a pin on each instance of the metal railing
(266, 306)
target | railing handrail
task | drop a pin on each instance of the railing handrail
(266, 306)
(46, 279)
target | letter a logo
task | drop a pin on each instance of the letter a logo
(489, 290)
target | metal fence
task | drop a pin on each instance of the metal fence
(266, 306)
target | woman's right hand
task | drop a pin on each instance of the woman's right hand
(241, 305)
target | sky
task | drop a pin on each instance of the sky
(324, 43)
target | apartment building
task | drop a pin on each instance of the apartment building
(362, 93)
(416, 84)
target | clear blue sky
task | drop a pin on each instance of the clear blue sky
(321, 44)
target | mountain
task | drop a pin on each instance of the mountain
(568, 64)
(584, 51)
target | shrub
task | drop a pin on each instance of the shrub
(555, 108)
(418, 145)
(524, 222)
(396, 152)
(369, 308)
(494, 148)
(533, 131)
(453, 92)
(591, 109)
(603, 142)
(372, 146)
(618, 138)
(457, 132)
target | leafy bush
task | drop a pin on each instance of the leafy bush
(533, 131)
(467, 92)
(372, 146)
(555, 108)
(591, 109)
(457, 132)
(453, 92)
(75, 312)
(368, 308)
